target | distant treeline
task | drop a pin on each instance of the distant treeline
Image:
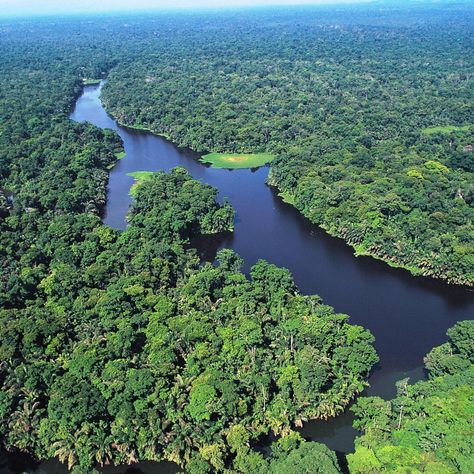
(122, 346)
(371, 115)
(117, 347)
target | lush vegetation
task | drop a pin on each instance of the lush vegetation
(91, 82)
(127, 349)
(428, 427)
(371, 118)
(237, 160)
(122, 346)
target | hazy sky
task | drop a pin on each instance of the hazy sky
(34, 7)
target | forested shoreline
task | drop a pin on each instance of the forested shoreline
(117, 347)
(372, 120)
(428, 426)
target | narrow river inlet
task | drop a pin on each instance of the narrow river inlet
(407, 315)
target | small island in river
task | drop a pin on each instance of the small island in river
(237, 160)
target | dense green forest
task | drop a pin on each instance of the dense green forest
(371, 115)
(428, 427)
(129, 350)
(123, 346)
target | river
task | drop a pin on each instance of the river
(407, 315)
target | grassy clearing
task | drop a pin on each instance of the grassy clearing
(237, 160)
(91, 82)
(445, 129)
(139, 177)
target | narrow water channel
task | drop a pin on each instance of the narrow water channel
(407, 315)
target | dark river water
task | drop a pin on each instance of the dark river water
(407, 315)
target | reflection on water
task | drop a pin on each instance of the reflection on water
(15, 463)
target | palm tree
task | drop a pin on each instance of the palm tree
(24, 423)
(64, 450)
(102, 446)
(127, 451)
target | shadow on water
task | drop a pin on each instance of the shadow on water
(407, 315)
(19, 463)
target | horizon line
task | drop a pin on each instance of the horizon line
(204, 8)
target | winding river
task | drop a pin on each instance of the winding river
(407, 315)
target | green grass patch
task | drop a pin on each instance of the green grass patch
(91, 82)
(445, 129)
(140, 177)
(237, 160)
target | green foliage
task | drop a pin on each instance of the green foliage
(237, 160)
(121, 346)
(461, 337)
(308, 458)
(140, 353)
(174, 206)
(428, 427)
(362, 149)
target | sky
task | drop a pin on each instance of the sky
(36, 7)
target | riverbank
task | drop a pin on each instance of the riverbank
(407, 315)
(418, 265)
(404, 255)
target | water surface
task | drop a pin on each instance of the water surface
(407, 315)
